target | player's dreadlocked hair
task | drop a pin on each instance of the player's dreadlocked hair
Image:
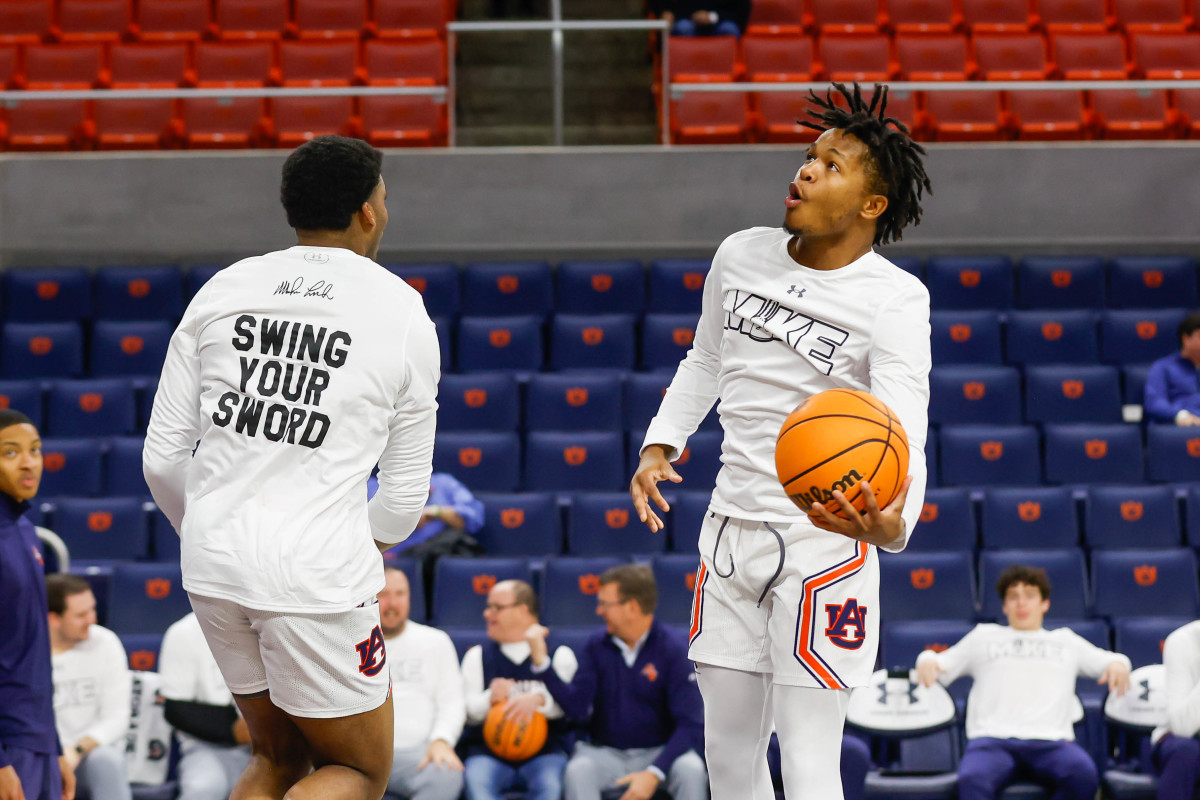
(894, 169)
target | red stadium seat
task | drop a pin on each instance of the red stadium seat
(407, 19)
(399, 62)
(48, 125)
(295, 120)
(1167, 56)
(8, 67)
(966, 116)
(251, 19)
(93, 20)
(25, 21)
(861, 58)
(903, 106)
(703, 59)
(1051, 115)
(1153, 16)
(709, 118)
(924, 16)
(135, 124)
(778, 58)
(172, 20)
(776, 115)
(1187, 103)
(998, 16)
(330, 19)
(64, 66)
(776, 18)
(162, 65)
(1075, 16)
(1091, 57)
(1016, 57)
(933, 58)
(404, 121)
(246, 64)
(312, 63)
(1134, 114)
(222, 123)
(846, 16)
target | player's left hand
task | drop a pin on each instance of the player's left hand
(642, 785)
(1116, 676)
(877, 526)
(522, 707)
(441, 755)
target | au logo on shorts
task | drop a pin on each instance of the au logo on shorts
(847, 624)
(371, 653)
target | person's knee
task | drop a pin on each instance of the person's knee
(440, 784)
(974, 774)
(688, 777)
(580, 771)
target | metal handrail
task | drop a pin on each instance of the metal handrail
(941, 86)
(170, 94)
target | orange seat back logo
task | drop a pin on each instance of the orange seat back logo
(1131, 510)
(577, 396)
(501, 337)
(921, 578)
(1072, 390)
(574, 456)
(1193, 448)
(1152, 278)
(53, 462)
(158, 588)
(47, 290)
(693, 281)
(974, 390)
(969, 278)
(593, 336)
(1029, 511)
(991, 451)
(512, 517)
(475, 398)
(507, 284)
(960, 332)
(589, 584)
(1145, 575)
(616, 517)
(132, 345)
(929, 512)
(601, 282)
(142, 660)
(138, 288)
(1061, 278)
(470, 456)
(1095, 448)
(1052, 331)
(41, 345)
(683, 337)
(91, 402)
(1147, 329)
(417, 283)
(99, 521)
(482, 584)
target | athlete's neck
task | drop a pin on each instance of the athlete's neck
(346, 240)
(826, 254)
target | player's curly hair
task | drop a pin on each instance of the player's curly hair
(895, 168)
(326, 180)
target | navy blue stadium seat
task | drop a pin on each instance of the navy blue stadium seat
(26, 396)
(1060, 282)
(977, 394)
(1139, 336)
(461, 586)
(1029, 518)
(1132, 516)
(485, 461)
(576, 401)
(1092, 453)
(698, 464)
(146, 598)
(466, 638)
(41, 350)
(71, 467)
(164, 541)
(688, 509)
(1153, 282)
(1065, 568)
(600, 523)
(600, 287)
(1192, 515)
(139, 293)
(504, 288)
(926, 586)
(499, 343)
(1051, 337)
(91, 407)
(970, 282)
(901, 642)
(58, 294)
(676, 579)
(1133, 383)
(911, 264)
(569, 587)
(996, 455)
(965, 337)
(1142, 638)
(575, 461)
(411, 568)
(99, 577)
(1072, 393)
(444, 327)
(1173, 453)
(520, 524)
(676, 285)
(199, 274)
(947, 522)
(103, 528)
(1145, 583)
(644, 394)
(141, 650)
(478, 401)
(593, 341)
(437, 283)
(129, 348)
(666, 339)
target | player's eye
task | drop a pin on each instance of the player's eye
(834, 167)
(809, 157)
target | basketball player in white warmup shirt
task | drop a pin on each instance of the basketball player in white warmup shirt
(786, 613)
(298, 371)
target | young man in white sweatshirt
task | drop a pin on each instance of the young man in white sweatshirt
(1022, 703)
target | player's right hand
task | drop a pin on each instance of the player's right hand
(10, 784)
(653, 467)
(499, 688)
(928, 671)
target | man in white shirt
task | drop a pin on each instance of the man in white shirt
(1022, 704)
(1176, 750)
(297, 372)
(785, 616)
(214, 742)
(92, 689)
(427, 695)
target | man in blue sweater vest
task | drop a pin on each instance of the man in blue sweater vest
(31, 763)
(639, 688)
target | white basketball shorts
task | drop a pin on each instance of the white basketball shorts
(314, 665)
(794, 601)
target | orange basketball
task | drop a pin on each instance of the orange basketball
(512, 740)
(836, 440)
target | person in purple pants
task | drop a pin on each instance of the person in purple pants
(1176, 750)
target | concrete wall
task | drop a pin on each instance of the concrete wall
(507, 203)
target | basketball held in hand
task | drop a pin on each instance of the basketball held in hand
(837, 439)
(512, 740)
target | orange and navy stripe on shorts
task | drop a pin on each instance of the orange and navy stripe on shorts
(698, 604)
(806, 629)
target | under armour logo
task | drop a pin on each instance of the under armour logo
(795, 291)
(909, 693)
(1145, 687)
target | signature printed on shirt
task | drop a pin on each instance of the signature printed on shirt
(316, 289)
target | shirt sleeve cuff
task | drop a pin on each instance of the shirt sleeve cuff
(545, 665)
(1182, 416)
(656, 772)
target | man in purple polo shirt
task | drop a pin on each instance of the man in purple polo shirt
(1173, 384)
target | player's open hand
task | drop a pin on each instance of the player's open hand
(1116, 676)
(876, 526)
(522, 707)
(442, 756)
(928, 671)
(10, 784)
(653, 467)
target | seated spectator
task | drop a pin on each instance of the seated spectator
(1173, 383)
(1022, 702)
(703, 17)
(1176, 752)
(427, 696)
(214, 742)
(637, 688)
(501, 671)
(92, 689)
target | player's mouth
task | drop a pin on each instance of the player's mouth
(794, 197)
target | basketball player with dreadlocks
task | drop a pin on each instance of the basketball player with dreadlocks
(785, 618)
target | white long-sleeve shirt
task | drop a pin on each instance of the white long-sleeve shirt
(1024, 681)
(773, 333)
(92, 689)
(479, 696)
(297, 371)
(1181, 664)
(427, 690)
(190, 673)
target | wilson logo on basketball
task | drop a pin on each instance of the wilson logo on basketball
(1052, 331)
(1029, 511)
(475, 398)
(616, 518)
(1152, 278)
(41, 345)
(417, 283)
(689, 581)
(574, 456)
(589, 584)
(158, 588)
(577, 396)
(1061, 278)
(1131, 510)
(593, 336)
(1095, 448)
(1193, 448)
(991, 451)
(1147, 329)
(132, 345)
(969, 278)
(500, 337)
(507, 284)
(846, 615)
(482, 584)
(921, 578)
(601, 282)
(974, 390)
(960, 332)
(512, 517)
(685, 456)
(138, 288)
(693, 281)
(53, 462)
(470, 456)
(99, 521)
(651, 672)
(47, 290)
(816, 494)
(1145, 575)
(142, 660)
(1072, 390)
(929, 512)
(683, 337)
(91, 402)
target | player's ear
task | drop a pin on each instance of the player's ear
(873, 206)
(368, 216)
